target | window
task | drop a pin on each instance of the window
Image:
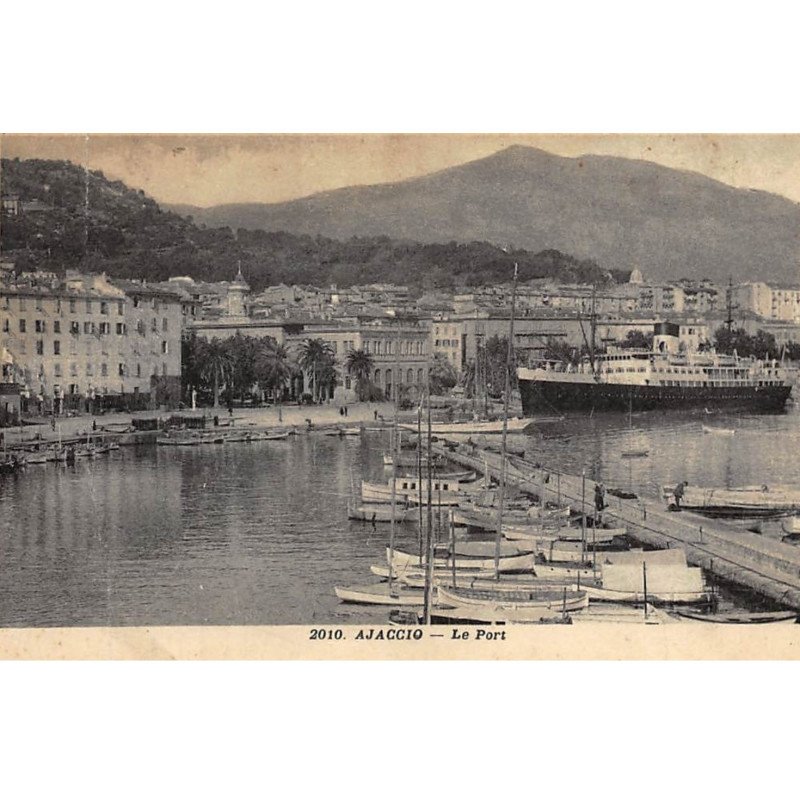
(56, 348)
(120, 307)
(165, 325)
(104, 370)
(140, 327)
(120, 328)
(155, 304)
(88, 306)
(136, 302)
(56, 326)
(165, 347)
(22, 304)
(121, 369)
(39, 347)
(39, 324)
(138, 370)
(89, 369)
(75, 327)
(103, 307)
(164, 369)
(88, 327)
(22, 326)
(6, 326)
(73, 370)
(71, 306)
(57, 370)
(154, 325)
(39, 306)
(105, 328)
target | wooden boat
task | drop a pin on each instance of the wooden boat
(275, 436)
(515, 425)
(619, 614)
(635, 453)
(38, 456)
(560, 551)
(178, 441)
(719, 431)
(591, 535)
(482, 549)
(343, 432)
(742, 618)
(666, 583)
(476, 579)
(743, 501)
(380, 594)
(566, 572)
(499, 614)
(504, 597)
(516, 563)
(445, 491)
(791, 525)
(379, 512)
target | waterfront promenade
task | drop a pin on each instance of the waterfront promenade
(262, 417)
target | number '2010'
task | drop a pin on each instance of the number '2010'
(322, 633)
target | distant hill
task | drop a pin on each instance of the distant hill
(622, 213)
(83, 220)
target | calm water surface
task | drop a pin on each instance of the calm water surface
(258, 533)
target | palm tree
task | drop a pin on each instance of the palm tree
(217, 365)
(359, 365)
(316, 356)
(274, 368)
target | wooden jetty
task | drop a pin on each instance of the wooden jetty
(765, 566)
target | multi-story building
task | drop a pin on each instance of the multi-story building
(89, 340)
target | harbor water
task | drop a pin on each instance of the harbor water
(257, 533)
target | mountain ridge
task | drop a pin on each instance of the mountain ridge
(623, 213)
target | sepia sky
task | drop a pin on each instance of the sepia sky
(207, 170)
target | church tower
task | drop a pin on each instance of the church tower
(237, 293)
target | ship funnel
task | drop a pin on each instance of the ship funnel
(666, 337)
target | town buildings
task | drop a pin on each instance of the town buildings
(86, 340)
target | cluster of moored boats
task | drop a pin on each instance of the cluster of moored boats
(500, 559)
(42, 452)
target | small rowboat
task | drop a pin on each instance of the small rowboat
(343, 432)
(591, 535)
(790, 525)
(275, 437)
(380, 594)
(744, 618)
(519, 563)
(515, 598)
(635, 454)
(498, 615)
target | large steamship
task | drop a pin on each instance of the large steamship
(668, 376)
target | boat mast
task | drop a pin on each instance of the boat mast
(429, 540)
(506, 398)
(395, 449)
(419, 478)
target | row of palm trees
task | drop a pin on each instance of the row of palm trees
(241, 363)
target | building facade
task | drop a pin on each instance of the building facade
(87, 341)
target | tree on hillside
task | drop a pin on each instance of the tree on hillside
(192, 349)
(359, 365)
(317, 359)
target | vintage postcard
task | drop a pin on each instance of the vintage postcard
(399, 396)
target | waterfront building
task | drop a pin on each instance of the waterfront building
(90, 341)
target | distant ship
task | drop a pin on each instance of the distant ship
(669, 376)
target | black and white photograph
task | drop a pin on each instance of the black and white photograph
(400, 387)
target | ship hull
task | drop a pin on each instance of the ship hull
(546, 396)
